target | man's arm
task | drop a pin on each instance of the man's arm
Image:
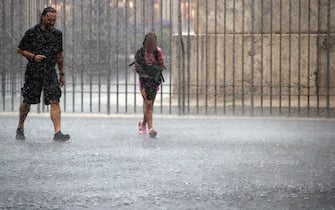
(26, 53)
(60, 64)
(30, 56)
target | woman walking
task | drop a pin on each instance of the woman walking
(149, 64)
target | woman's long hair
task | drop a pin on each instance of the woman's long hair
(150, 36)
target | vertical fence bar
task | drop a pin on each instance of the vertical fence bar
(90, 51)
(233, 73)
(135, 41)
(224, 57)
(328, 58)
(197, 76)
(15, 62)
(309, 59)
(215, 57)
(161, 38)
(143, 17)
(170, 61)
(73, 59)
(271, 82)
(152, 15)
(280, 55)
(82, 55)
(42, 105)
(3, 67)
(289, 59)
(62, 26)
(143, 23)
(109, 58)
(262, 54)
(180, 50)
(64, 42)
(29, 20)
(117, 55)
(299, 62)
(12, 73)
(182, 59)
(22, 29)
(99, 14)
(188, 56)
(318, 62)
(126, 58)
(252, 57)
(242, 62)
(206, 57)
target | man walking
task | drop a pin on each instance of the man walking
(42, 46)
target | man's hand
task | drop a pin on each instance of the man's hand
(39, 58)
(61, 80)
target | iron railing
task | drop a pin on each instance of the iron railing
(233, 57)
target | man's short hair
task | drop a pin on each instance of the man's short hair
(48, 9)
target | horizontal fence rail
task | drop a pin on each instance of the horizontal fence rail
(227, 57)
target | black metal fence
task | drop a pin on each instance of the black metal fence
(233, 57)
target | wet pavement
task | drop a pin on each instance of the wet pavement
(194, 163)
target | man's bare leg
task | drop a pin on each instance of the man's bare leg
(24, 110)
(55, 115)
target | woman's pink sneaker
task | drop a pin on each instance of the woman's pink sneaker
(142, 129)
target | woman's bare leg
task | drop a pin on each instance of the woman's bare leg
(148, 109)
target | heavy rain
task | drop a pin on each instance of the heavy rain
(244, 117)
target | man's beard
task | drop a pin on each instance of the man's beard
(48, 27)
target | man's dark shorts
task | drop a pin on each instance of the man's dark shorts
(33, 86)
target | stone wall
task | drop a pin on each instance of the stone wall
(263, 13)
(279, 66)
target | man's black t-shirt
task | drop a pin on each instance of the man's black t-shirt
(40, 42)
